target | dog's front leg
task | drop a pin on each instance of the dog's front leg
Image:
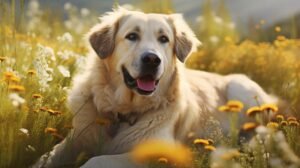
(84, 139)
(112, 161)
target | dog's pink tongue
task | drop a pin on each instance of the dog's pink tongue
(146, 85)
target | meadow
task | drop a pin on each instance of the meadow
(41, 50)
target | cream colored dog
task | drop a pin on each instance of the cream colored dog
(136, 80)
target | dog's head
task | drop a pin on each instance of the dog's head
(142, 48)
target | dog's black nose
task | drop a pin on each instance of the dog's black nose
(150, 60)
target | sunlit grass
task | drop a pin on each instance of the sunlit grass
(38, 60)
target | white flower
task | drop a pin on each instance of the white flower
(218, 20)
(214, 39)
(67, 6)
(64, 71)
(16, 99)
(84, 12)
(66, 37)
(44, 72)
(24, 131)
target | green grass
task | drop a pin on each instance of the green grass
(40, 52)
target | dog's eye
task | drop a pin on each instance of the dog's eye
(132, 36)
(163, 39)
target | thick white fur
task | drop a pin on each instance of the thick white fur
(184, 100)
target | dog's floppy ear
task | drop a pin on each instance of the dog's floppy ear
(102, 36)
(185, 39)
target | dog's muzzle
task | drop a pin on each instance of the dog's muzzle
(145, 84)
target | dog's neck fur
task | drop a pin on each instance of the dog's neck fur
(120, 99)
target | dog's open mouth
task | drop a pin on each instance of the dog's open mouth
(145, 84)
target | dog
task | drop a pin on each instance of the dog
(135, 79)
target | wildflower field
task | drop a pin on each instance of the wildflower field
(41, 50)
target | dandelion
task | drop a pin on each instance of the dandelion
(278, 29)
(293, 123)
(224, 108)
(291, 119)
(31, 72)
(103, 121)
(16, 99)
(272, 125)
(15, 79)
(249, 126)
(209, 148)
(153, 149)
(37, 96)
(50, 130)
(235, 106)
(253, 111)
(201, 142)
(2, 59)
(279, 118)
(269, 107)
(16, 88)
(162, 160)
(8, 75)
(283, 123)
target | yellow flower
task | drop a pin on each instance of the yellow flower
(37, 96)
(278, 29)
(269, 107)
(283, 123)
(279, 117)
(253, 111)
(231, 154)
(291, 119)
(103, 121)
(16, 88)
(2, 59)
(232, 106)
(224, 108)
(163, 160)
(50, 130)
(209, 148)
(201, 142)
(294, 123)
(15, 79)
(235, 104)
(154, 149)
(249, 126)
(273, 125)
(31, 72)
(262, 22)
(8, 75)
